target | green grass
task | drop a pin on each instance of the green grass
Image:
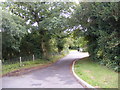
(27, 64)
(95, 74)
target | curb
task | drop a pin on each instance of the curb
(82, 82)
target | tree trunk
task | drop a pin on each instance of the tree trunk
(44, 50)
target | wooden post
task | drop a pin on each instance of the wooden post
(20, 62)
(33, 57)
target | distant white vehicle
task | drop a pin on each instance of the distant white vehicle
(80, 49)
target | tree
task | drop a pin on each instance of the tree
(43, 16)
(12, 33)
(100, 26)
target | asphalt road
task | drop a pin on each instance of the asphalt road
(58, 75)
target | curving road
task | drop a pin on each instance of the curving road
(58, 75)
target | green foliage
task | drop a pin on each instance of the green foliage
(53, 27)
(100, 26)
(12, 33)
(32, 41)
(45, 23)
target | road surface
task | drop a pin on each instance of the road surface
(58, 75)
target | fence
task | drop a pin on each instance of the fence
(21, 59)
(32, 57)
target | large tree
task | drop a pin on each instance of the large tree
(48, 19)
(100, 24)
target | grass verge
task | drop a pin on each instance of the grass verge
(95, 74)
(27, 64)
